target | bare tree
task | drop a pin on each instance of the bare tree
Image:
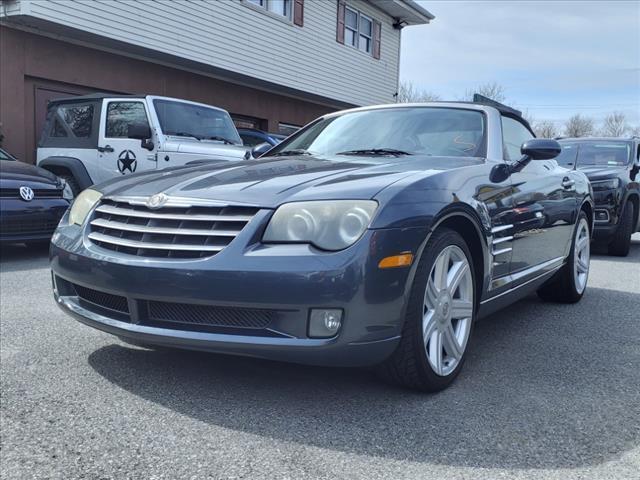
(615, 125)
(634, 131)
(492, 90)
(409, 93)
(546, 129)
(578, 126)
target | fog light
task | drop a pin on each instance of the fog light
(602, 216)
(324, 323)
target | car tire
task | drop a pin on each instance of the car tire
(72, 182)
(438, 313)
(621, 243)
(570, 283)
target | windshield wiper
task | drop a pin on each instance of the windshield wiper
(219, 139)
(295, 151)
(186, 134)
(375, 151)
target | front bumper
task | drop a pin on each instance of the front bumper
(285, 280)
(607, 211)
(25, 221)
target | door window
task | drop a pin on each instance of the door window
(514, 134)
(122, 114)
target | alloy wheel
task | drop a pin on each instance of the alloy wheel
(581, 256)
(447, 310)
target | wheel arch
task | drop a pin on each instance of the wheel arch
(463, 220)
(634, 198)
(587, 208)
(68, 165)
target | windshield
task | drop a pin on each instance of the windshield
(395, 131)
(603, 154)
(184, 119)
(5, 156)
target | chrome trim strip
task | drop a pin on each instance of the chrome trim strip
(182, 202)
(500, 252)
(130, 227)
(514, 277)
(127, 212)
(153, 246)
(501, 228)
(498, 240)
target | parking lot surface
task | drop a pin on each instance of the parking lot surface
(548, 392)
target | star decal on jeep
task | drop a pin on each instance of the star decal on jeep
(127, 161)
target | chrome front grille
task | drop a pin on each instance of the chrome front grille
(180, 229)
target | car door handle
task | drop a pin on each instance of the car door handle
(106, 148)
(568, 183)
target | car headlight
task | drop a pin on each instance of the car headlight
(606, 184)
(329, 225)
(67, 193)
(83, 205)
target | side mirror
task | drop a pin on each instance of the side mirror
(142, 132)
(139, 131)
(260, 149)
(534, 149)
(541, 149)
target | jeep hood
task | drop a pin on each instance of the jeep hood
(204, 149)
(272, 181)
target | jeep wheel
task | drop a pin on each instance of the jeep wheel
(72, 182)
(439, 317)
(621, 242)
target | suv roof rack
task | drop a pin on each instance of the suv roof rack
(481, 99)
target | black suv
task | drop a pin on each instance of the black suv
(612, 165)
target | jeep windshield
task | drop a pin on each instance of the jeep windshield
(594, 153)
(196, 121)
(392, 133)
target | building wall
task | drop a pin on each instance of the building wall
(231, 35)
(35, 69)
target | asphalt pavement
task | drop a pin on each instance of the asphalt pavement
(548, 392)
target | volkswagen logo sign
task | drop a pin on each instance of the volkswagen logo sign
(157, 200)
(26, 193)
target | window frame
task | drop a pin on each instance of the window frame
(262, 6)
(357, 32)
(106, 116)
(505, 155)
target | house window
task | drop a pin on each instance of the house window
(279, 7)
(358, 30)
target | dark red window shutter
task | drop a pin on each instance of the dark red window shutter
(377, 33)
(298, 12)
(340, 27)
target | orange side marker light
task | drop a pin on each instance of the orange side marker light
(395, 261)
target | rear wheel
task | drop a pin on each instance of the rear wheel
(439, 317)
(621, 243)
(569, 284)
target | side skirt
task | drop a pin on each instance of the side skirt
(498, 302)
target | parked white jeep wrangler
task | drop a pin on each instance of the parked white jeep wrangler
(93, 138)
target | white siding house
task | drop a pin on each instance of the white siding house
(327, 53)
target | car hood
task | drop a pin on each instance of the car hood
(598, 172)
(270, 182)
(15, 173)
(204, 148)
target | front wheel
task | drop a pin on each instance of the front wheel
(569, 284)
(621, 243)
(439, 317)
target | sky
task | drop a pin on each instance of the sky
(554, 58)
